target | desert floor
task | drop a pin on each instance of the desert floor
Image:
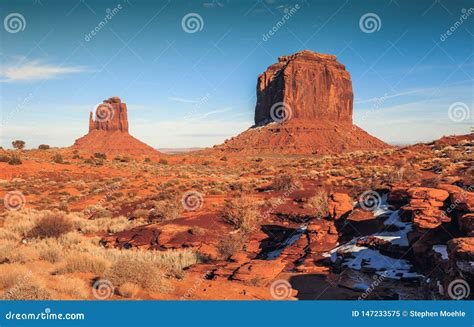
(391, 224)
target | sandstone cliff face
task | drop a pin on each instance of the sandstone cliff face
(111, 115)
(312, 86)
(108, 132)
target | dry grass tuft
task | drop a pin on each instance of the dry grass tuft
(147, 275)
(319, 202)
(242, 213)
(284, 182)
(28, 291)
(83, 262)
(11, 251)
(128, 290)
(73, 287)
(10, 274)
(20, 284)
(230, 245)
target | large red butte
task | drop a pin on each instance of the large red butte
(304, 106)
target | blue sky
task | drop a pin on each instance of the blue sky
(197, 89)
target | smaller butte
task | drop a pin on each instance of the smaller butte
(108, 132)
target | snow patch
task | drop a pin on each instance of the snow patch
(441, 249)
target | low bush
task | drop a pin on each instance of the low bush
(284, 182)
(230, 245)
(51, 225)
(319, 203)
(145, 274)
(57, 158)
(128, 290)
(15, 160)
(242, 213)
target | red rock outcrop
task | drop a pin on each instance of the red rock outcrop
(304, 106)
(108, 133)
(425, 207)
(313, 86)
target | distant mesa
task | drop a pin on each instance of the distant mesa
(304, 105)
(108, 132)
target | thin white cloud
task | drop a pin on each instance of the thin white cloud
(207, 114)
(182, 100)
(35, 70)
(391, 96)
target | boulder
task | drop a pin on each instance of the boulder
(466, 224)
(426, 193)
(340, 204)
